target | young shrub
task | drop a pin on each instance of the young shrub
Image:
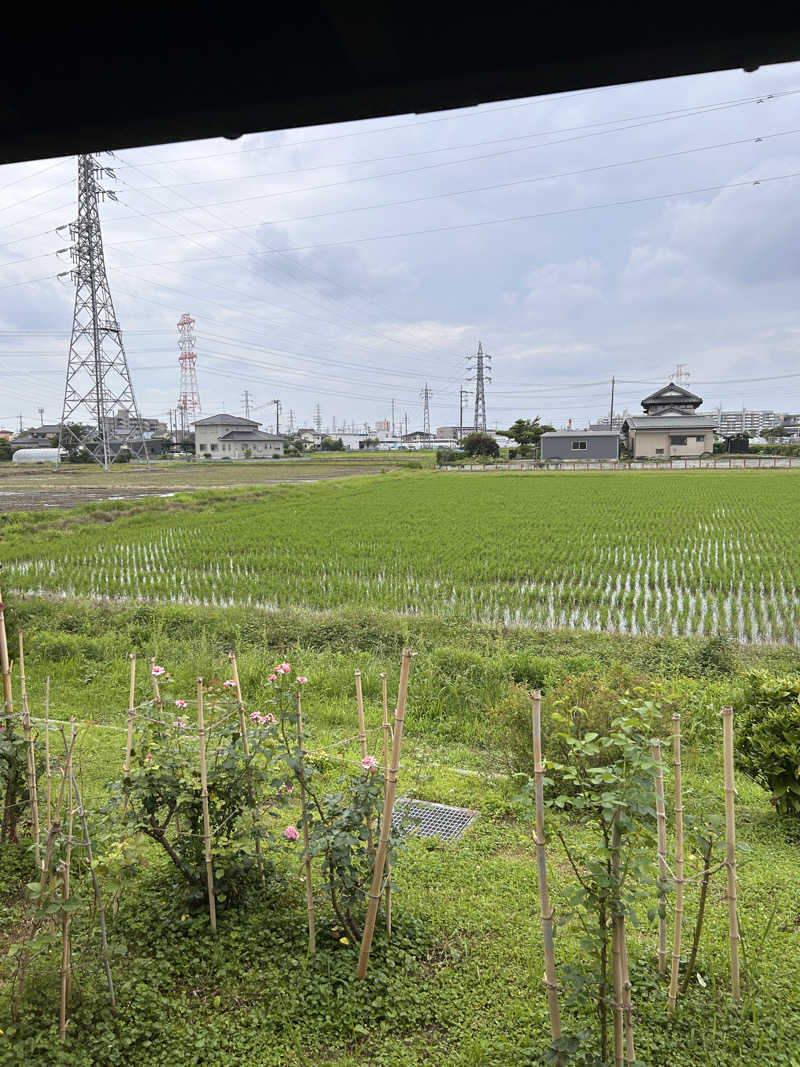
(768, 738)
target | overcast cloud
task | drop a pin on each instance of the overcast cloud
(285, 249)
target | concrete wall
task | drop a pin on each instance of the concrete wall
(603, 447)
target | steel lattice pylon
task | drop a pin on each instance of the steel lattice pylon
(98, 379)
(189, 395)
(482, 361)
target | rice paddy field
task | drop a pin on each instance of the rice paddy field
(682, 555)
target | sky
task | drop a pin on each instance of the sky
(615, 232)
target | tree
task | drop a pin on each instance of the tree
(75, 442)
(331, 445)
(369, 442)
(528, 431)
(480, 444)
(5, 450)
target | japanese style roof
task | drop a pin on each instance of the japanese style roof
(226, 420)
(248, 435)
(674, 394)
(659, 423)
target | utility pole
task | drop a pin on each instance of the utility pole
(482, 361)
(462, 394)
(98, 376)
(20, 421)
(611, 416)
(394, 431)
(426, 395)
(277, 404)
(406, 421)
(41, 416)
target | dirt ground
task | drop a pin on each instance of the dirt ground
(35, 488)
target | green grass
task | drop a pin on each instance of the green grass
(683, 554)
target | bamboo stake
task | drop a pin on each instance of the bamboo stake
(312, 939)
(730, 847)
(661, 823)
(66, 922)
(545, 910)
(55, 826)
(126, 766)
(9, 828)
(676, 939)
(386, 733)
(246, 750)
(362, 735)
(101, 911)
(47, 747)
(627, 1002)
(386, 822)
(33, 799)
(212, 905)
(616, 948)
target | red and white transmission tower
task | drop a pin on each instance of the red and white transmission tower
(189, 394)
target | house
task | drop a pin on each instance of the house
(232, 437)
(580, 444)
(671, 429)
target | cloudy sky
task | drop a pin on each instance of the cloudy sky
(613, 232)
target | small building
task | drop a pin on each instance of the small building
(580, 444)
(232, 437)
(669, 436)
(671, 399)
(35, 455)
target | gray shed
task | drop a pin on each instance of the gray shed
(580, 444)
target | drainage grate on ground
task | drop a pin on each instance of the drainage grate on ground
(432, 820)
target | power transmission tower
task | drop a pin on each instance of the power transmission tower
(20, 422)
(98, 377)
(482, 361)
(394, 431)
(188, 391)
(291, 421)
(246, 403)
(318, 419)
(277, 404)
(681, 374)
(41, 416)
(426, 395)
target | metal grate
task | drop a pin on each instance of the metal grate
(431, 820)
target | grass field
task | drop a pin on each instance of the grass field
(685, 554)
(487, 578)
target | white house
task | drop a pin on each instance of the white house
(232, 437)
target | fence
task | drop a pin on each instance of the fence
(731, 462)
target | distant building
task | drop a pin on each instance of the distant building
(744, 421)
(6, 435)
(670, 429)
(123, 423)
(417, 437)
(580, 444)
(232, 437)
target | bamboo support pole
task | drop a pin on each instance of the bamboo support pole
(8, 831)
(730, 848)
(101, 911)
(627, 999)
(246, 750)
(362, 736)
(545, 910)
(201, 733)
(661, 824)
(375, 891)
(676, 938)
(126, 767)
(48, 768)
(55, 826)
(386, 738)
(66, 922)
(616, 948)
(312, 938)
(30, 752)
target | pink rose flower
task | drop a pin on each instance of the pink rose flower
(369, 763)
(149, 755)
(301, 679)
(158, 671)
(255, 717)
(180, 724)
(290, 833)
(273, 677)
(181, 704)
(229, 684)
